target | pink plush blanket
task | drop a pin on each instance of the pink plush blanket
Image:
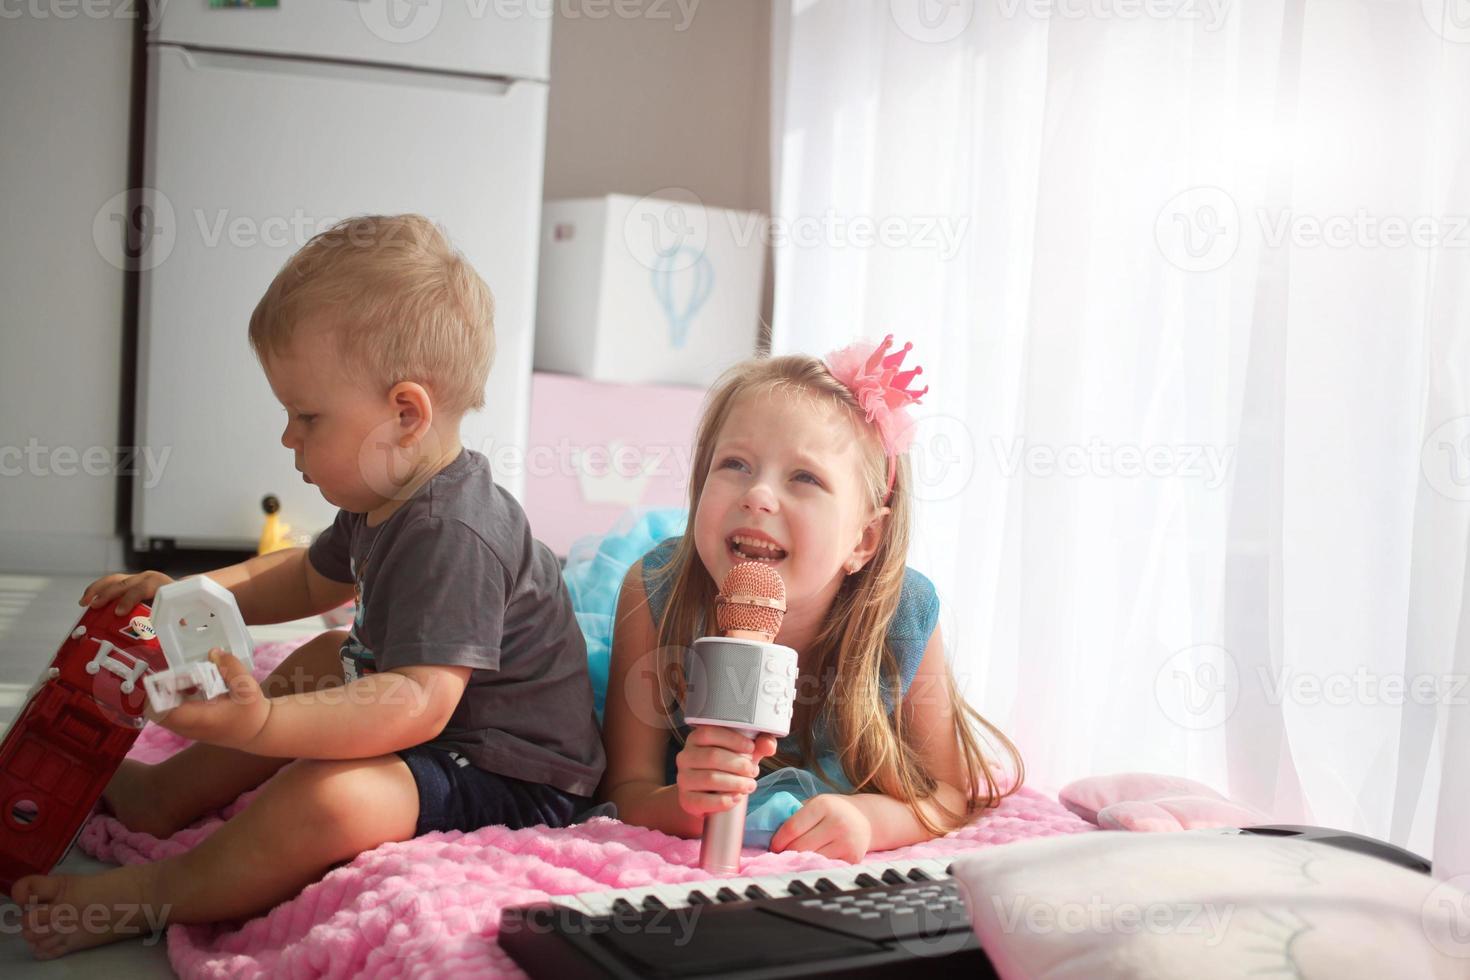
(430, 907)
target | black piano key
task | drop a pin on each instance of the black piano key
(756, 891)
(726, 895)
(652, 904)
(892, 877)
(799, 887)
(621, 906)
(867, 881)
(826, 887)
(918, 874)
(698, 897)
(949, 871)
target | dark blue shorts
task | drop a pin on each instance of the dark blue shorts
(456, 795)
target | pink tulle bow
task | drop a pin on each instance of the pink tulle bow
(874, 378)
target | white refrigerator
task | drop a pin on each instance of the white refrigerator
(267, 124)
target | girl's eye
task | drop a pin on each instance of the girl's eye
(305, 418)
(731, 463)
(804, 475)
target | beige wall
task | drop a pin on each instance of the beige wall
(638, 104)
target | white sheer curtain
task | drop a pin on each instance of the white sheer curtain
(1191, 282)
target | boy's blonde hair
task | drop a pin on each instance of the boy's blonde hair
(402, 304)
(853, 662)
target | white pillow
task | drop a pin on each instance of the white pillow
(1205, 905)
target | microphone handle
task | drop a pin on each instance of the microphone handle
(724, 832)
(719, 852)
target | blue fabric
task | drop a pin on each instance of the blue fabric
(457, 795)
(594, 574)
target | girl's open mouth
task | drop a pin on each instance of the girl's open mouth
(743, 547)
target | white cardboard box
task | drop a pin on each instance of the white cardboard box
(647, 290)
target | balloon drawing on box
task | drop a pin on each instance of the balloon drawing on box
(682, 279)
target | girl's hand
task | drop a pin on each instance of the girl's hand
(830, 824)
(233, 719)
(717, 766)
(128, 590)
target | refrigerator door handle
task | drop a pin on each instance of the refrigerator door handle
(208, 59)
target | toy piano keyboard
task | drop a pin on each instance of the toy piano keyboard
(84, 713)
(881, 919)
(890, 919)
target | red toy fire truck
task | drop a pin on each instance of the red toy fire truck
(85, 711)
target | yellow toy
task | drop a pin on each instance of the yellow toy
(277, 533)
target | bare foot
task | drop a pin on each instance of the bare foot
(65, 913)
(133, 799)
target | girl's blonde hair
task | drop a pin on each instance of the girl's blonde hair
(854, 663)
(402, 304)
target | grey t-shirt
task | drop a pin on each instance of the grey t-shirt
(454, 577)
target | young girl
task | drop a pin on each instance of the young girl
(800, 464)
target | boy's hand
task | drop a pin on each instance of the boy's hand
(718, 765)
(232, 720)
(829, 824)
(128, 590)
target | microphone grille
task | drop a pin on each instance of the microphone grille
(752, 597)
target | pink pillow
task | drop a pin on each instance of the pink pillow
(1143, 801)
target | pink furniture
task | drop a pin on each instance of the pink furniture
(597, 449)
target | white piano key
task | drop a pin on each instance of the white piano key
(772, 885)
(705, 886)
(595, 903)
(843, 878)
(736, 885)
(778, 885)
(934, 867)
(635, 896)
(673, 896)
(676, 896)
(573, 902)
(601, 903)
(885, 867)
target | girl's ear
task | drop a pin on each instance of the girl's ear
(868, 543)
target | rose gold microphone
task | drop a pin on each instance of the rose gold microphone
(751, 602)
(741, 680)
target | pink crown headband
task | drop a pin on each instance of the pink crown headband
(882, 390)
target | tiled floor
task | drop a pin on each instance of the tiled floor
(35, 613)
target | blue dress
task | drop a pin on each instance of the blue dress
(594, 575)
